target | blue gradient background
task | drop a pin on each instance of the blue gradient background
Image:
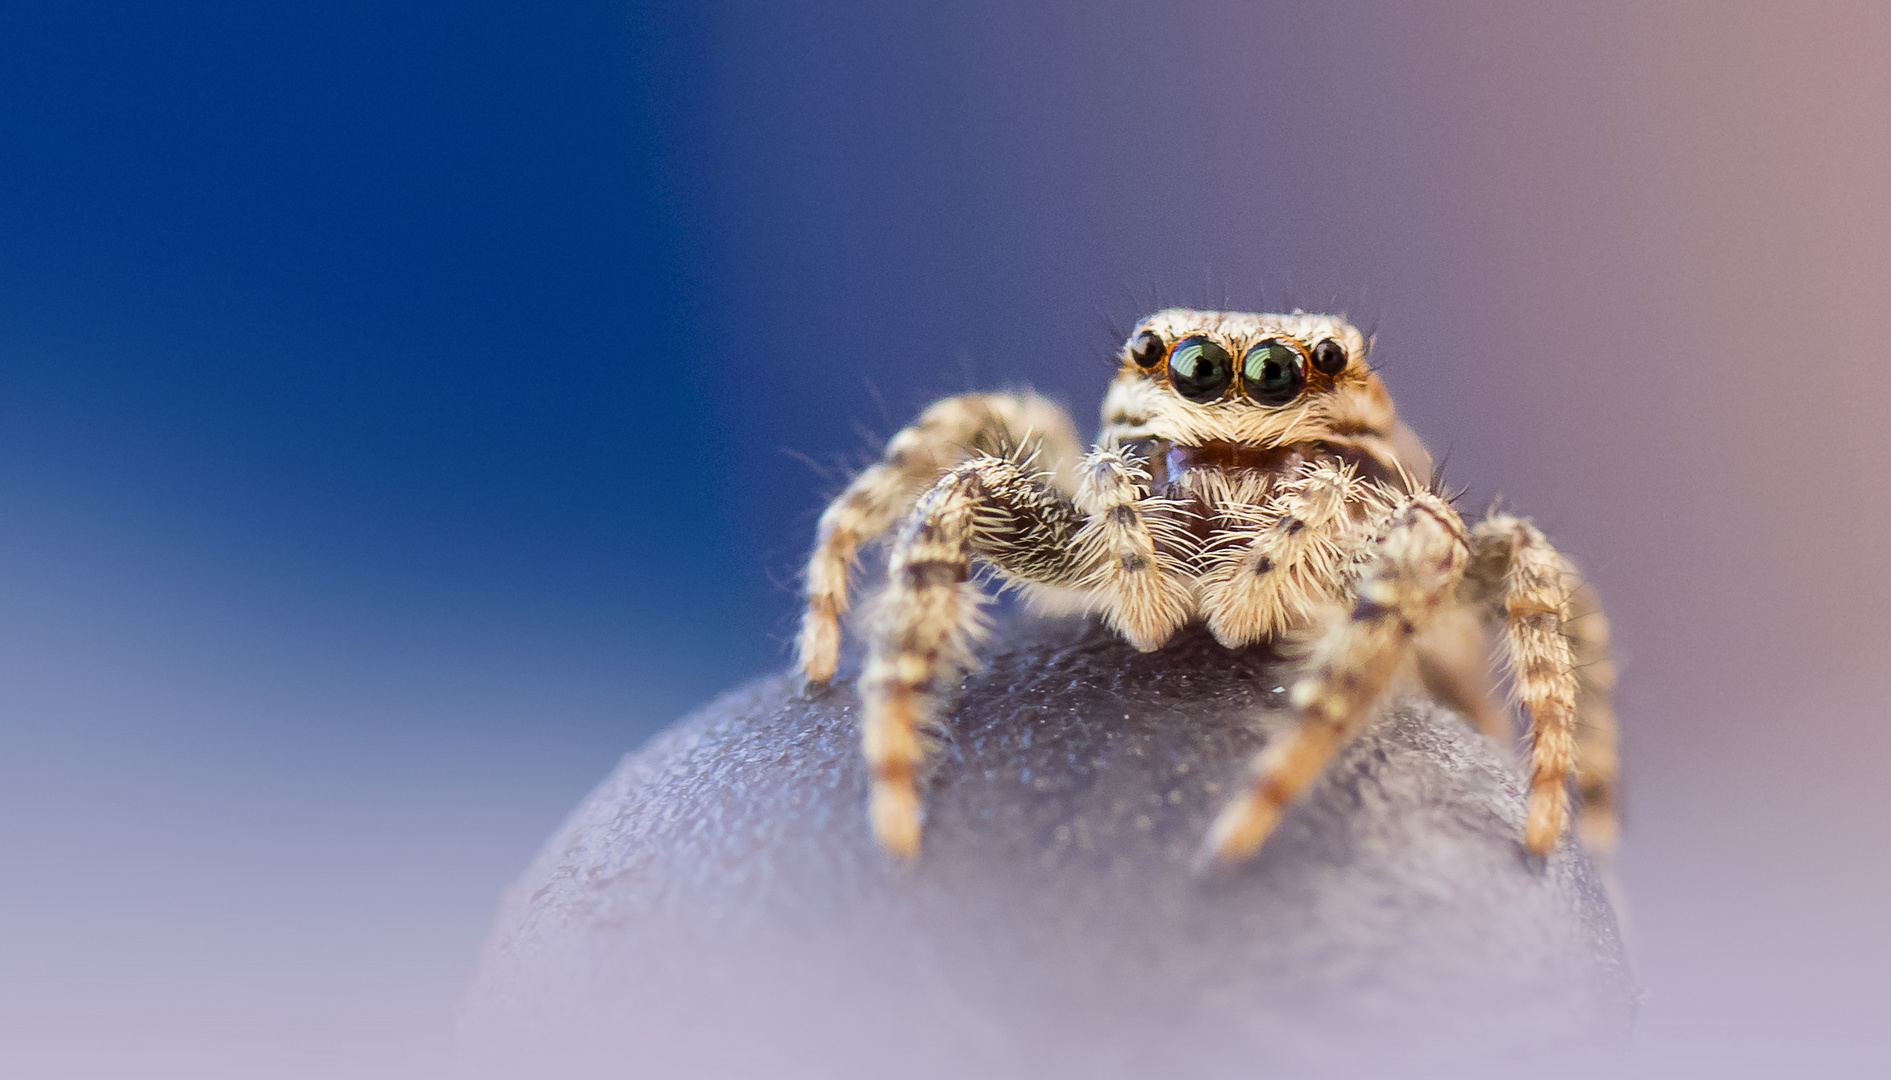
(402, 414)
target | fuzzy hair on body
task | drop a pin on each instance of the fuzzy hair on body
(1251, 474)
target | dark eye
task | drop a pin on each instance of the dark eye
(1329, 357)
(1273, 373)
(1200, 369)
(1147, 349)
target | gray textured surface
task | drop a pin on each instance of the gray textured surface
(716, 907)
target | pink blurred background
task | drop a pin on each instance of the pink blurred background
(1627, 264)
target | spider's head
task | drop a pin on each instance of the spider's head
(1199, 377)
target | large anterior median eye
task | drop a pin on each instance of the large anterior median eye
(1200, 369)
(1273, 372)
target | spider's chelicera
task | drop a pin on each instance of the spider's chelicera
(1250, 474)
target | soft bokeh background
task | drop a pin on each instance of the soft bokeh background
(402, 413)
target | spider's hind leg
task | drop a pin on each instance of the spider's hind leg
(1556, 647)
(1598, 761)
(1024, 425)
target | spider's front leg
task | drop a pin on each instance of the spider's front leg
(1419, 558)
(924, 622)
(947, 433)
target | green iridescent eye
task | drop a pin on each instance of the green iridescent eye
(1274, 372)
(1199, 369)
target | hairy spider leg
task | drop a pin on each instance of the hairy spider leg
(1420, 555)
(948, 432)
(1454, 663)
(1598, 760)
(1531, 584)
(925, 621)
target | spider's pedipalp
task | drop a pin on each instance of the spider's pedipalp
(1277, 564)
(1419, 556)
(948, 432)
(1140, 595)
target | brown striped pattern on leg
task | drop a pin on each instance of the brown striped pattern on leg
(1598, 761)
(1533, 594)
(926, 620)
(1419, 557)
(948, 432)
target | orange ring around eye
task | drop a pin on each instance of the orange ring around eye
(1200, 369)
(1274, 371)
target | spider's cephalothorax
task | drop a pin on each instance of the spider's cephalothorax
(1250, 474)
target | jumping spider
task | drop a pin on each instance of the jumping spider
(1251, 474)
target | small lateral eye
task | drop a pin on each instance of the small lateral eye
(1329, 357)
(1273, 372)
(1199, 369)
(1148, 349)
